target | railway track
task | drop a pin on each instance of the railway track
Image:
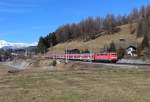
(112, 64)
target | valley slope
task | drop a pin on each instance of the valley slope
(98, 43)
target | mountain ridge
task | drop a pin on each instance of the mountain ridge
(6, 44)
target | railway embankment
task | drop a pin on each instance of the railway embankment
(18, 64)
(23, 64)
(48, 65)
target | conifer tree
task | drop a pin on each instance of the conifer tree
(145, 42)
(41, 48)
(121, 52)
(112, 47)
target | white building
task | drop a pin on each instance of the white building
(131, 50)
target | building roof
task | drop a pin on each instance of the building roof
(131, 47)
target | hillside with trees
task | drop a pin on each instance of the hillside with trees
(94, 27)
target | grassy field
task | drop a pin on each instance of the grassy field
(99, 85)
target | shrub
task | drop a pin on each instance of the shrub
(121, 52)
(54, 63)
(112, 47)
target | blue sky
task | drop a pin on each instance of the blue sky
(27, 20)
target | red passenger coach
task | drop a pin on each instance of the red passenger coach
(84, 57)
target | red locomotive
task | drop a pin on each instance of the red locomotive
(106, 56)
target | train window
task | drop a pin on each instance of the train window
(104, 54)
(114, 54)
(101, 54)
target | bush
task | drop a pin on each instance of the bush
(54, 63)
(145, 42)
(112, 47)
(143, 45)
(121, 52)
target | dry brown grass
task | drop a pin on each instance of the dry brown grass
(3, 71)
(98, 43)
(98, 85)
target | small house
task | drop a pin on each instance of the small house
(132, 51)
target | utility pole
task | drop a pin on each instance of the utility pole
(26, 52)
(91, 53)
(66, 55)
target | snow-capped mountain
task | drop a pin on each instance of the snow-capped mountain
(5, 44)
